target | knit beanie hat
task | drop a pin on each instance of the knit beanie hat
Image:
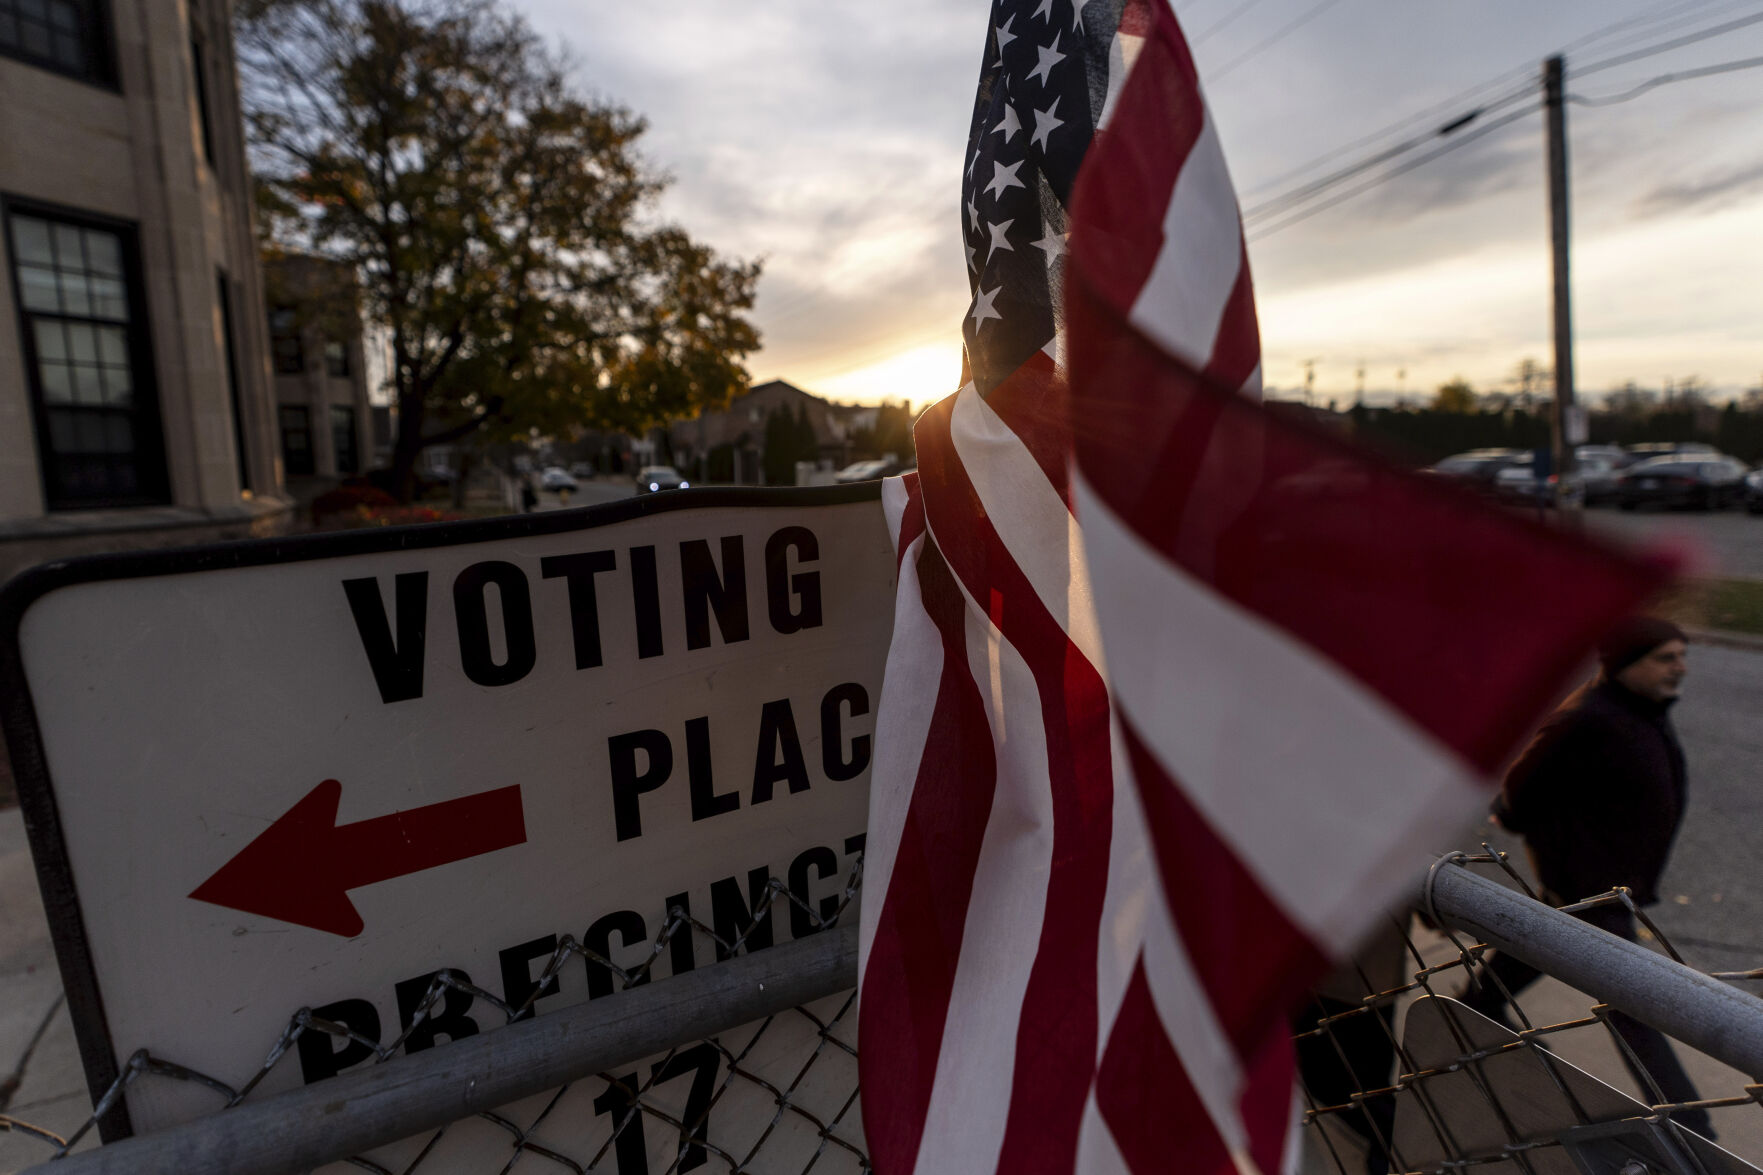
(1633, 639)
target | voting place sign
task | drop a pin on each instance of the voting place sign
(313, 772)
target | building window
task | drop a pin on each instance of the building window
(343, 439)
(284, 341)
(296, 439)
(240, 449)
(336, 360)
(98, 431)
(199, 79)
(63, 35)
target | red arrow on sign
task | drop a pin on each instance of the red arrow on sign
(298, 869)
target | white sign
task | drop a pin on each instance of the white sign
(317, 780)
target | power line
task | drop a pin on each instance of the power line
(1667, 46)
(1304, 192)
(1292, 26)
(1221, 25)
(1452, 145)
(1652, 22)
(1666, 79)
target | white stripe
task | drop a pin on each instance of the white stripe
(1122, 52)
(902, 722)
(1097, 1153)
(1126, 901)
(1183, 300)
(893, 499)
(970, 1098)
(1320, 787)
(1029, 517)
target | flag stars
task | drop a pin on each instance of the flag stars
(999, 241)
(1044, 12)
(983, 308)
(1049, 57)
(1003, 35)
(1046, 122)
(1077, 16)
(1053, 245)
(1009, 125)
(1003, 179)
(972, 216)
(971, 250)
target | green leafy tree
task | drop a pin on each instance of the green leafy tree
(501, 224)
(1456, 396)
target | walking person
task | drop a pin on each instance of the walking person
(1598, 797)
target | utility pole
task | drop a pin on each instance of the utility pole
(1309, 381)
(1560, 434)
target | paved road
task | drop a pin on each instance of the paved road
(1729, 543)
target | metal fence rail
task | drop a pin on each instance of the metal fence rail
(751, 1065)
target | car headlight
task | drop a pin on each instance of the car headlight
(654, 487)
(1754, 479)
(685, 485)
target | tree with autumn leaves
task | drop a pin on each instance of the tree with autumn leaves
(501, 225)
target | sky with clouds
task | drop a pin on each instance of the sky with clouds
(827, 138)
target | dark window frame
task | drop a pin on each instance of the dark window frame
(309, 460)
(241, 451)
(282, 359)
(152, 468)
(95, 29)
(336, 364)
(344, 414)
(199, 83)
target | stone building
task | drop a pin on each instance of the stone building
(323, 419)
(135, 404)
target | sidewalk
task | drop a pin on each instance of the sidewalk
(40, 1077)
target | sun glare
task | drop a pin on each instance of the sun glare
(920, 374)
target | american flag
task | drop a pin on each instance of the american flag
(1138, 784)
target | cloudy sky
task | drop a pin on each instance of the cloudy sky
(826, 137)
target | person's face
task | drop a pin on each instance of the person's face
(1659, 674)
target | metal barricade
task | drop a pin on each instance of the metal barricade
(751, 1064)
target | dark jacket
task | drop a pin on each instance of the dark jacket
(1598, 794)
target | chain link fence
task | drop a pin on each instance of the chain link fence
(1398, 1073)
(1427, 1054)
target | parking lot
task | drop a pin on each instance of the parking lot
(1725, 543)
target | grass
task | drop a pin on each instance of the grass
(1733, 605)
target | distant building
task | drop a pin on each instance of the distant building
(738, 432)
(135, 405)
(323, 419)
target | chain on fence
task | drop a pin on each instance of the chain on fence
(1399, 1074)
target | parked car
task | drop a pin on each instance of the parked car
(1650, 449)
(1478, 466)
(1615, 455)
(1592, 480)
(582, 469)
(1754, 490)
(1694, 480)
(868, 470)
(556, 478)
(653, 479)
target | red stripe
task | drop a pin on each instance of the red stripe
(1144, 1095)
(1266, 1103)
(1142, 159)
(1251, 959)
(911, 517)
(911, 963)
(1031, 401)
(1057, 1032)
